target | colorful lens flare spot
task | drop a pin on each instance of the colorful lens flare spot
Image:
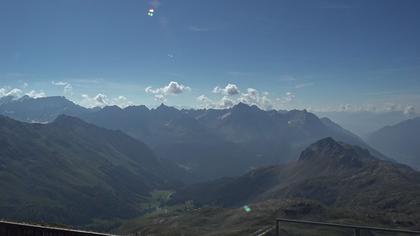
(151, 12)
(247, 209)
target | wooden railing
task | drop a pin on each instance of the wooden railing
(22, 229)
(357, 229)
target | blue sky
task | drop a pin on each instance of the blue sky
(316, 54)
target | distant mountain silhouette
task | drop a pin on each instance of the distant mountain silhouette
(39, 110)
(72, 172)
(363, 123)
(400, 141)
(207, 143)
(274, 132)
(214, 143)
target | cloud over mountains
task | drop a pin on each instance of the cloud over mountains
(173, 88)
(230, 89)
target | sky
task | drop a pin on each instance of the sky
(321, 55)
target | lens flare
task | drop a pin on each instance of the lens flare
(151, 12)
(247, 209)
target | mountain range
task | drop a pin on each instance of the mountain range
(38, 110)
(212, 143)
(72, 172)
(209, 143)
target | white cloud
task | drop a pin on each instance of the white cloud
(149, 89)
(217, 89)
(251, 97)
(223, 103)
(100, 100)
(203, 98)
(35, 94)
(226, 102)
(17, 93)
(254, 97)
(266, 103)
(173, 88)
(230, 89)
(160, 98)
(4, 92)
(207, 102)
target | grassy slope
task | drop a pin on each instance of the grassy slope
(72, 172)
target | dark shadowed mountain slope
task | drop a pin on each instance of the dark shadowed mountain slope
(400, 141)
(330, 182)
(72, 172)
(39, 110)
(332, 173)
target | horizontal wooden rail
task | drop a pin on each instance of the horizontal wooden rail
(356, 228)
(22, 229)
